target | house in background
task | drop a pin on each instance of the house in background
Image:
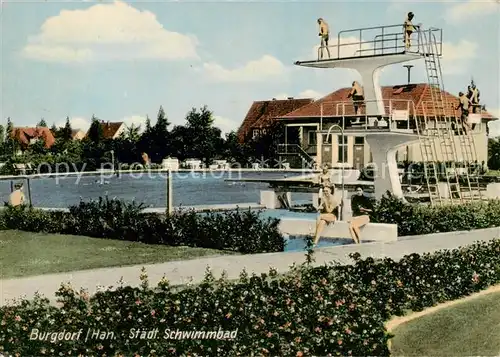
(77, 134)
(262, 113)
(111, 130)
(27, 136)
(351, 150)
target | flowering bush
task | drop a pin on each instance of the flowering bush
(415, 219)
(241, 231)
(328, 310)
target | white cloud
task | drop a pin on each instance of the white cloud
(76, 123)
(225, 125)
(308, 93)
(113, 31)
(457, 57)
(456, 60)
(135, 120)
(495, 125)
(282, 96)
(263, 69)
(471, 9)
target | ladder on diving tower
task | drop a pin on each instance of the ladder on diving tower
(441, 134)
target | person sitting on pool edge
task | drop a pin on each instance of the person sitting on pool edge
(324, 180)
(328, 211)
(361, 207)
(17, 198)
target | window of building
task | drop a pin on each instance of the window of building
(342, 146)
(342, 151)
(255, 133)
(312, 137)
(359, 140)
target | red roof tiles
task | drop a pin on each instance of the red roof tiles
(25, 135)
(396, 97)
(262, 113)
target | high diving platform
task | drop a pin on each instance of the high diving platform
(368, 50)
(388, 125)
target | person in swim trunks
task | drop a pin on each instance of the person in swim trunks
(361, 207)
(324, 33)
(327, 209)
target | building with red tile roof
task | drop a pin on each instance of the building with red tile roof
(27, 136)
(397, 97)
(262, 113)
(315, 118)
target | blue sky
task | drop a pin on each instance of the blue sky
(122, 60)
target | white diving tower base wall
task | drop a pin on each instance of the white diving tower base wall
(384, 148)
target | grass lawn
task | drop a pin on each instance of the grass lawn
(471, 328)
(27, 253)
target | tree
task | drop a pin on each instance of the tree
(494, 153)
(38, 148)
(159, 137)
(180, 142)
(132, 133)
(145, 141)
(42, 123)
(206, 140)
(148, 125)
(8, 130)
(54, 130)
(2, 140)
(10, 143)
(96, 134)
(266, 145)
(66, 133)
(236, 152)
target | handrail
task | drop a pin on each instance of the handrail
(387, 34)
(361, 32)
(296, 149)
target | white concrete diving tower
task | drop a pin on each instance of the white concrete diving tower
(368, 57)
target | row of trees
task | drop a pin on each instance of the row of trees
(198, 138)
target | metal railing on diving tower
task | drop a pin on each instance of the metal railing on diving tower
(440, 133)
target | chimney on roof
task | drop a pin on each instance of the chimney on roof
(408, 67)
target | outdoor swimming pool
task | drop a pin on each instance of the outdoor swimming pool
(189, 188)
(298, 243)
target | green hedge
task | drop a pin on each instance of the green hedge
(115, 219)
(328, 310)
(241, 231)
(414, 219)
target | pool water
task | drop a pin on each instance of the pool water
(298, 243)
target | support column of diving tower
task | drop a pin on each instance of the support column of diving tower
(370, 57)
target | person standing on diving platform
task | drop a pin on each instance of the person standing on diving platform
(324, 33)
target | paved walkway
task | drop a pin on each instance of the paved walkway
(181, 272)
